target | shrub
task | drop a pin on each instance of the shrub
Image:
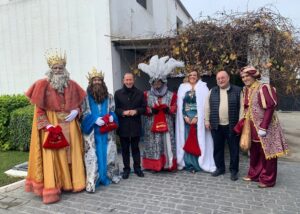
(8, 103)
(20, 128)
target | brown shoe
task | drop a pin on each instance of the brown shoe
(246, 178)
(260, 185)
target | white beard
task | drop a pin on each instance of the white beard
(58, 81)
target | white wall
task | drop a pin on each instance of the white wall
(182, 15)
(29, 27)
(83, 28)
(131, 20)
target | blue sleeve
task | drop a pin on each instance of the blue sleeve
(88, 123)
(115, 117)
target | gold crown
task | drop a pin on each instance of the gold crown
(94, 73)
(55, 58)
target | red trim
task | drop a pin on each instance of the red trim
(173, 105)
(51, 195)
(174, 165)
(152, 164)
(148, 109)
(158, 165)
(35, 187)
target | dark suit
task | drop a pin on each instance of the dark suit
(130, 127)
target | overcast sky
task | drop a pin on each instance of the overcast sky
(287, 8)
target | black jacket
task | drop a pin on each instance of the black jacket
(233, 106)
(126, 100)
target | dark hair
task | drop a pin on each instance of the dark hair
(99, 91)
(128, 73)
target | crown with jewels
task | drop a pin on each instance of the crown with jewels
(55, 57)
(94, 73)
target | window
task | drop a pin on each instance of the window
(143, 3)
(179, 24)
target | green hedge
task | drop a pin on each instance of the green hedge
(8, 103)
(20, 128)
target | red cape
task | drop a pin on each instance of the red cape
(45, 97)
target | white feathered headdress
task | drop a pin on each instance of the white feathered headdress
(160, 68)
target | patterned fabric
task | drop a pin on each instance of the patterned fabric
(190, 109)
(273, 144)
(100, 149)
(159, 147)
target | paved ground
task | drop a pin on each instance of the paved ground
(180, 192)
(290, 122)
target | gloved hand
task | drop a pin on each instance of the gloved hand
(166, 110)
(49, 126)
(71, 116)
(262, 133)
(154, 111)
(99, 121)
(111, 118)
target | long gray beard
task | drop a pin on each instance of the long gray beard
(58, 81)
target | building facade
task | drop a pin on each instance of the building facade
(86, 29)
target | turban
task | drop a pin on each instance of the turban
(251, 71)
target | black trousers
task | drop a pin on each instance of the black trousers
(220, 136)
(132, 142)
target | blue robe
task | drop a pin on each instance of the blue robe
(91, 112)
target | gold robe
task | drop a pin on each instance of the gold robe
(51, 171)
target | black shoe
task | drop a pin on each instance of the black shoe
(125, 175)
(139, 173)
(217, 173)
(234, 176)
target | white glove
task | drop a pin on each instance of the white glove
(99, 121)
(262, 133)
(111, 118)
(49, 126)
(71, 116)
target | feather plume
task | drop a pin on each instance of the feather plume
(160, 68)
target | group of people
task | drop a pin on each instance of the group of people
(73, 141)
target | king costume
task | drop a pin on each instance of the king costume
(100, 148)
(53, 170)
